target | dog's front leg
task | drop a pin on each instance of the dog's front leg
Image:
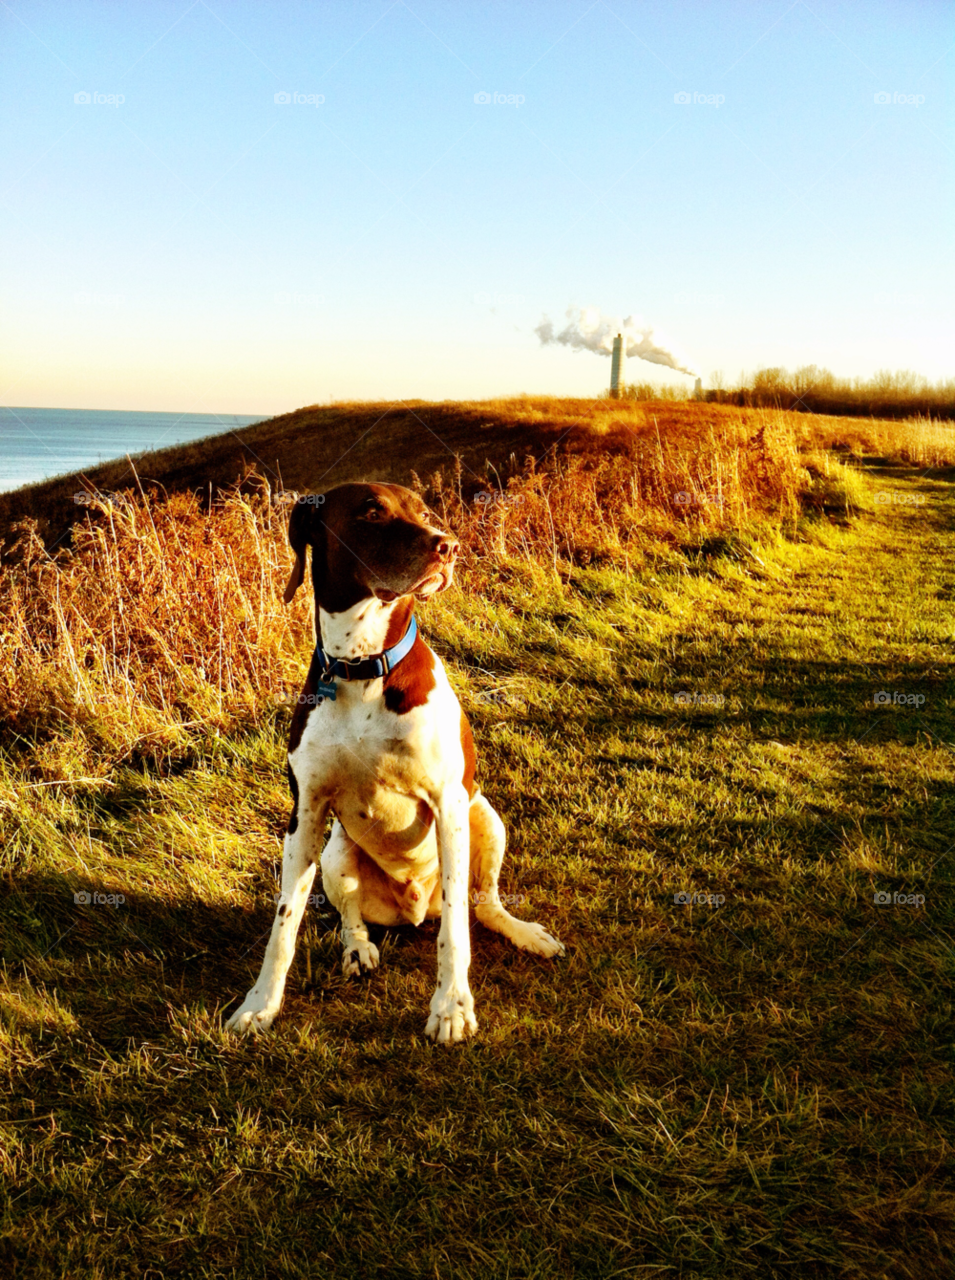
(452, 1006)
(257, 1012)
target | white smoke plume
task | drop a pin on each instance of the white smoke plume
(588, 330)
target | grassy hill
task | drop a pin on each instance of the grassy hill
(318, 446)
(709, 668)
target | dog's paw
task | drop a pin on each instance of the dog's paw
(253, 1015)
(359, 958)
(536, 939)
(452, 1017)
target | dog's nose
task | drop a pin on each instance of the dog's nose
(447, 548)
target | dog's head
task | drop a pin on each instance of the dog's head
(368, 540)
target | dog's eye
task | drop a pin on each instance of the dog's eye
(373, 513)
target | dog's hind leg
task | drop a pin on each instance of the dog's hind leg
(488, 841)
(342, 882)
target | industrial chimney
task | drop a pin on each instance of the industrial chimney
(616, 366)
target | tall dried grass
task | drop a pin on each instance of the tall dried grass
(166, 614)
(161, 616)
(648, 480)
(917, 441)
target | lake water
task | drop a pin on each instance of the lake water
(36, 444)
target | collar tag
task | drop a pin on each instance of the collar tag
(326, 689)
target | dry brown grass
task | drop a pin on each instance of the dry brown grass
(159, 617)
(637, 479)
(917, 442)
(166, 613)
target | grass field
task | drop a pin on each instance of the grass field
(672, 699)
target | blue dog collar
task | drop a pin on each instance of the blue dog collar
(367, 668)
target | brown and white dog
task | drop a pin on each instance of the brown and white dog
(391, 756)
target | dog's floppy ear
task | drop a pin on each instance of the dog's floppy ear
(305, 528)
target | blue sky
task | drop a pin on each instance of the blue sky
(200, 246)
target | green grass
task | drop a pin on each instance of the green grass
(757, 1088)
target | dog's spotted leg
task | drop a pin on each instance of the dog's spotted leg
(342, 885)
(488, 839)
(452, 1005)
(257, 1012)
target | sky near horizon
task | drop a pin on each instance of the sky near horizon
(243, 207)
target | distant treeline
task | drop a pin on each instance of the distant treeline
(813, 390)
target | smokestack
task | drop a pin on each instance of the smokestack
(616, 366)
(587, 330)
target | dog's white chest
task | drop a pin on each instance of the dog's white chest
(370, 771)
